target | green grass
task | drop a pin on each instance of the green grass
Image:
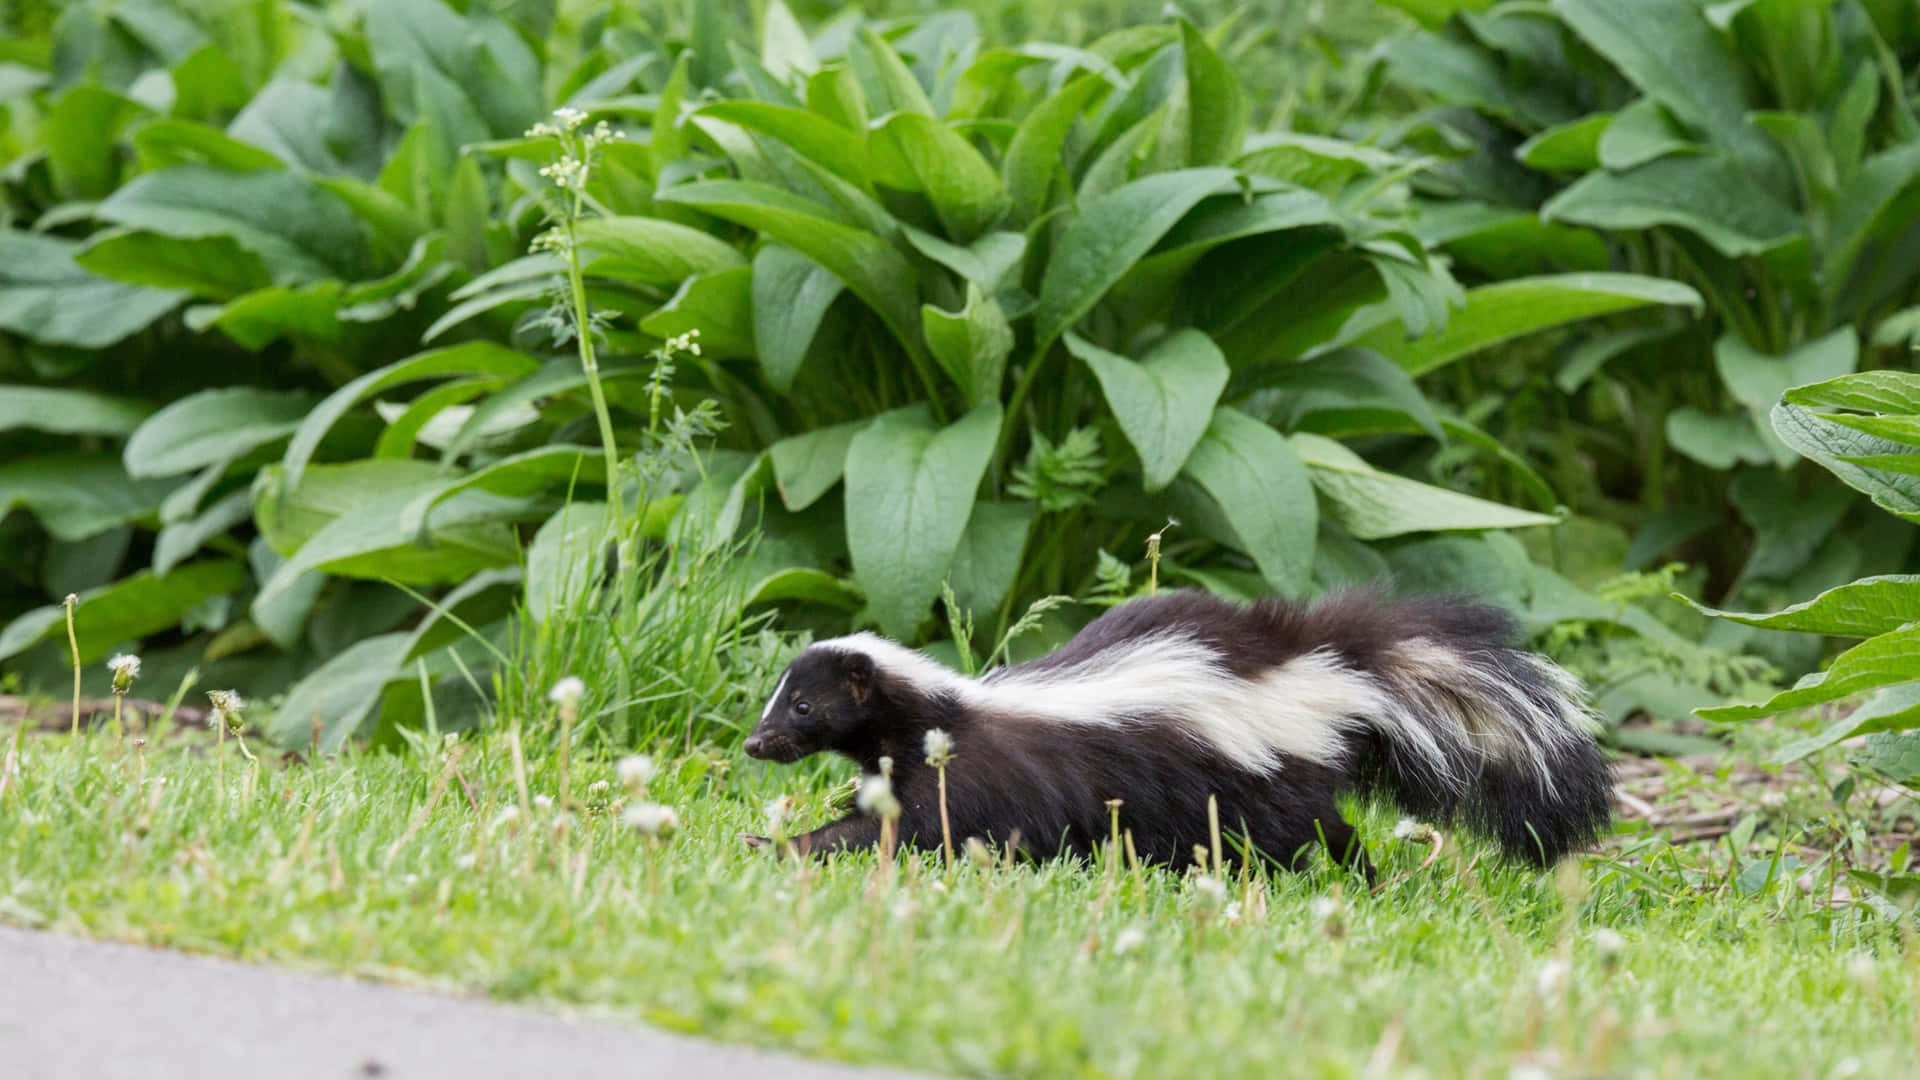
(351, 865)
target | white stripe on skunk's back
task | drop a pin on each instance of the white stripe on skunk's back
(1300, 708)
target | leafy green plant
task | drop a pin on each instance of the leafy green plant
(1766, 154)
(1001, 309)
(1864, 429)
(971, 314)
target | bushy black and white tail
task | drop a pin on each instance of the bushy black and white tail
(1478, 732)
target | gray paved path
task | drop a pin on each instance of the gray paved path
(72, 1009)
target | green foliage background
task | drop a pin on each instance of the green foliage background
(983, 297)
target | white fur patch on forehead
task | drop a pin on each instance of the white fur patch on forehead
(777, 691)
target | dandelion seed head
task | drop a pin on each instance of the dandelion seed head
(1405, 828)
(779, 809)
(543, 802)
(1323, 908)
(125, 664)
(939, 747)
(651, 819)
(599, 787)
(567, 691)
(635, 771)
(1609, 943)
(1551, 978)
(1129, 940)
(876, 797)
(465, 862)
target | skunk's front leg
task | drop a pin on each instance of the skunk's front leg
(850, 833)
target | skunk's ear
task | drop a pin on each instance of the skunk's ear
(860, 677)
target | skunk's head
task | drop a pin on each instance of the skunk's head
(825, 698)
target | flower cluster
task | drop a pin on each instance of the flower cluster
(570, 171)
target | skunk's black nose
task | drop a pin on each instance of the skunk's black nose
(754, 745)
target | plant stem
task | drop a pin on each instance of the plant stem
(946, 827)
(590, 363)
(73, 646)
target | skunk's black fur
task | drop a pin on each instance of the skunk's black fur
(1276, 709)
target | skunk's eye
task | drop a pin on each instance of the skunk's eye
(802, 708)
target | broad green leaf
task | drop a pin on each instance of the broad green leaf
(1507, 243)
(1317, 162)
(1717, 441)
(212, 267)
(1896, 708)
(1868, 391)
(918, 153)
(339, 695)
(470, 77)
(473, 358)
(1510, 309)
(971, 345)
(839, 150)
(213, 425)
(1706, 194)
(1832, 445)
(163, 143)
(867, 264)
(1860, 212)
(127, 610)
(1217, 125)
(46, 297)
(367, 538)
(1890, 658)
(791, 294)
(1342, 379)
(890, 84)
(652, 251)
(1262, 489)
(806, 585)
(719, 306)
(307, 313)
(910, 491)
(178, 541)
(806, 466)
(1670, 50)
(542, 470)
(784, 47)
(1757, 381)
(1373, 505)
(566, 558)
(1572, 147)
(59, 411)
(1863, 608)
(1033, 158)
(988, 560)
(75, 496)
(300, 231)
(81, 130)
(1165, 401)
(1109, 235)
(1640, 133)
(989, 262)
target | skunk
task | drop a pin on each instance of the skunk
(1275, 709)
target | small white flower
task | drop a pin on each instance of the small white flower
(125, 668)
(507, 816)
(651, 819)
(1551, 978)
(567, 691)
(1128, 940)
(635, 771)
(1231, 913)
(599, 787)
(465, 862)
(876, 797)
(543, 802)
(1609, 943)
(570, 118)
(939, 747)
